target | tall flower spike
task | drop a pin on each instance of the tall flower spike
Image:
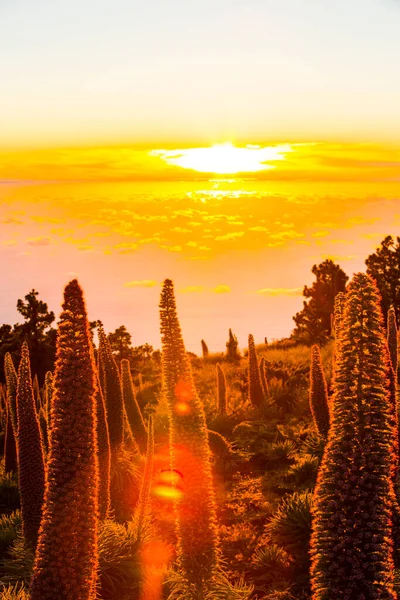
(47, 395)
(133, 411)
(104, 456)
(30, 452)
(10, 445)
(263, 375)
(319, 394)
(142, 510)
(351, 542)
(198, 544)
(392, 337)
(256, 394)
(221, 391)
(112, 391)
(67, 555)
(204, 349)
(11, 384)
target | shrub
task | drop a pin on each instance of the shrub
(290, 526)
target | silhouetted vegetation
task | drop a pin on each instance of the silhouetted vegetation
(266, 475)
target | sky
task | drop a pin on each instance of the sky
(128, 71)
(227, 145)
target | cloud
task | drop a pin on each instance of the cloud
(259, 228)
(281, 291)
(319, 234)
(39, 241)
(191, 288)
(9, 243)
(146, 283)
(229, 236)
(222, 289)
(181, 230)
(338, 257)
(11, 221)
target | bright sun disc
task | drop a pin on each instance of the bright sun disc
(224, 158)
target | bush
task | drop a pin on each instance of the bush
(124, 483)
(17, 592)
(9, 492)
(10, 526)
(290, 526)
(119, 561)
(276, 455)
(270, 566)
(303, 473)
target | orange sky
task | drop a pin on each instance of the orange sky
(238, 247)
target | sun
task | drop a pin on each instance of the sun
(225, 159)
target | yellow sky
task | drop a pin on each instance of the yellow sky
(239, 247)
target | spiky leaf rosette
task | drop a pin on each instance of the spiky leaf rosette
(256, 394)
(30, 452)
(66, 557)
(11, 386)
(104, 455)
(133, 411)
(142, 510)
(264, 382)
(392, 337)
(351, 544)
(318, 394)
(112, 391)
(190, 454)
(221, 391)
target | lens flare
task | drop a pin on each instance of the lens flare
(169, 485)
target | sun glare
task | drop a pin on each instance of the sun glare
(225, 158)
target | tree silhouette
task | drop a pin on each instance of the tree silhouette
(37, 332)
(313, 323)
(121, 343)
(384, 266)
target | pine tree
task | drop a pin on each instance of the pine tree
(351, 543)
(221, 391)
(112, 391)
(204, 348)
(197, 532)
(66, 558)
(31, 470)
(133, 411)
(392, 337)
(256, 394)
(319, 403)
(104, 455)
(264, 382)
